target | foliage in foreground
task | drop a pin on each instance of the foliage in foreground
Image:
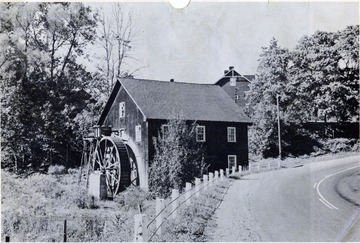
(34, 209)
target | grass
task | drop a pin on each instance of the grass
(34, 209)
(192, 219)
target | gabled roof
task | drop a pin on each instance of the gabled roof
(233, 73)
(164, 100)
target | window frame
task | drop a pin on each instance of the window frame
(122, 110)
(228, 134)
(198, 133)
(235, 160)
(138, 131)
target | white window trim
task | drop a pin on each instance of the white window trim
(138, 133)
(228, 134)
(122, 108)
(235, 157)
(197, 140)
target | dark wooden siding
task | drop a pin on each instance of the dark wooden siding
(241, 86)
(217, 148)
(133, 117)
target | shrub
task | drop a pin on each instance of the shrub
(178, 158)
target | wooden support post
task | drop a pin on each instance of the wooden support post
(233, 170)
(65, 231)
(205, 180)
(211, 178)
(103, 187)
(221, 174)
(188, 193)
(197, 187)
(140, 228)
(175, 204)
(160, 215)
(227, 172)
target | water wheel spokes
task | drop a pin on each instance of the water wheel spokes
(107, 160)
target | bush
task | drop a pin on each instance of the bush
(178, 158)
(337, 145)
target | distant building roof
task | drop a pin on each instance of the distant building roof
(232, 73)
(163, 100)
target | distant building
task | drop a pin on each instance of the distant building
(137, 109)
(235, 85)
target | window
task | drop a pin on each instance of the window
(165, 130)
(231, 134)
(232, 81)
(138, 133)
(122, 109)
(236, 96)
(231, 161)
(200, 134)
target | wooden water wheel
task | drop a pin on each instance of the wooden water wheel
(111, 158)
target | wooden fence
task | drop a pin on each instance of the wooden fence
(170, 210)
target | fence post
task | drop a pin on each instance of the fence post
(197, 187)
(258, 166)
(269, 164)
(240, 168)
(233, 170)
(140, 230)
(227, 172)
(205, 180)
(221, 174)
(187, 192)
(175, 203)
(159, 218)
(216, 173)
(211, 178)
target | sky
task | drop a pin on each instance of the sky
(196, 44)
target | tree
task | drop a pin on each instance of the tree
(178, 157)
(324, 77)
(316, 81)
(115, 39)
(270, 81)
(43, 85)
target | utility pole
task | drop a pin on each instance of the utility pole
(278, 118)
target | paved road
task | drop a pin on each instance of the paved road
(298, 204)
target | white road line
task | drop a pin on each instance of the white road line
(315, 184)
(322, 199)
(326, 204)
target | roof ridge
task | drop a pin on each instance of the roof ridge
(164, 81)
